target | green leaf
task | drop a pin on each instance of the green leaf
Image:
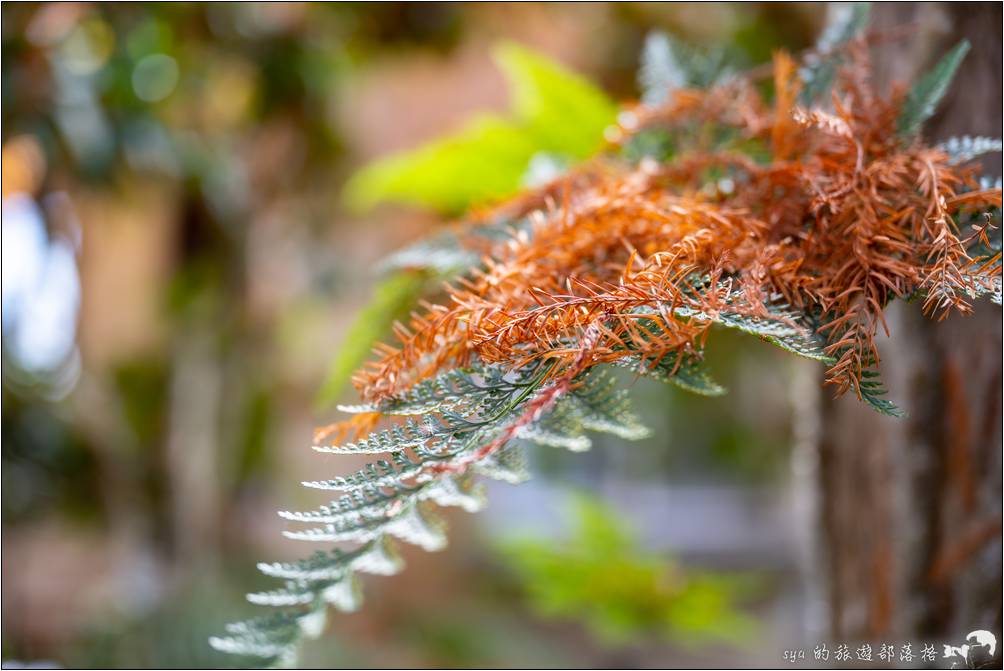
(929, 90)
(869, 387)
(553, 110)
(606, 408)
(563, 112)
(394, 297)
(272, 637)
(457, 390)
(784, 332)
(691, 375)
(561, 427)
(484, 160)
(872, 392)
(595, 404)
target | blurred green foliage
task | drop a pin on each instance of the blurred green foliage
(601, 577)
(553, 110)
(392, 300)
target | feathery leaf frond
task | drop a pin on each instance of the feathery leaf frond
(711, 207)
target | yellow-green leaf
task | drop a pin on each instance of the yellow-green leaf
(392, 299)
(553, 110)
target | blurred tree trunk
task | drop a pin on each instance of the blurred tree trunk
(909, 510)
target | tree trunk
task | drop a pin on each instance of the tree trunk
(909, 510)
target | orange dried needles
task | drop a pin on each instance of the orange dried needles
(827, 211)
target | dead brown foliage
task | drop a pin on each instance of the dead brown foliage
(843, 217)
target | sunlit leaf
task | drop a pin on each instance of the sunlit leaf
(562, 112)
(553, 110)
(482, 161)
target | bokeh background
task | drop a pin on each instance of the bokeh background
(179, 272)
